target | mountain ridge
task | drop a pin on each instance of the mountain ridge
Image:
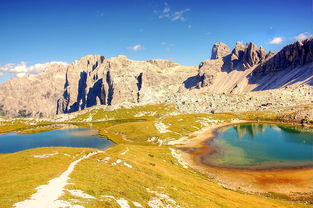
(96, 80)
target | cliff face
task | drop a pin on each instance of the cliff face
(96, 80)
(292, 56)
(249, 67)
(35, 95)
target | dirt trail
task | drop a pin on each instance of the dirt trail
(47, 195)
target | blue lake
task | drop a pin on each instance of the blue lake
(75, 137)
(261, 146)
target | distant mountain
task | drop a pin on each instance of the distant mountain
(96, 80)
(249, 68)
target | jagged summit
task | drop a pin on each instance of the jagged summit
(219, 50)
(96, 80)
(241, 57)
(249, 67)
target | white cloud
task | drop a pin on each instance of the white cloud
(276, 40)
(21, 74)
(168, 13)
(179, 15)
(21, 69)
(303, 36)
(136, 48)
(1, 74)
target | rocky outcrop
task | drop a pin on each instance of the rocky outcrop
(249, 67)
(292, 56)
(34, 95)
(162, 63)
(219, 50)
(241, 58)
(209, 70)
(244, 57)
(95, 80)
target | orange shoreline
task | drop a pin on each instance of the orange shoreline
(297, 183)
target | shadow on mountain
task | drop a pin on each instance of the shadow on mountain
(192, 82)
(288, 76)
(94, 94)
(81, 96)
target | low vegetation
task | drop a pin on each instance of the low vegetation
(139, 168)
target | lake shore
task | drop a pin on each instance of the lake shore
(293, 183)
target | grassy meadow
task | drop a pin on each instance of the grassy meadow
(140, 168)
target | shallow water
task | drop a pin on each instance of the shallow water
(76, 137)
(261, 146)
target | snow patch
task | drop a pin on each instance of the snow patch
(155, 140)
(105, 160)
(161, 127)
(178, 157)
(124, 153)
(81, 194)
(122, 162)
(136, 204)
(161, 200)
(47, 195)
(145, 113)
(45, 155)
(182, 140)
(122, 202)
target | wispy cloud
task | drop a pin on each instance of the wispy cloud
(1, 74)
(21, 69)
(276, 40)
(167, 46)
(173, 15)
(135, 48)
(303, 36)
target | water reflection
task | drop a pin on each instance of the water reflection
(251, 129)
(77, 137)
(259, 146)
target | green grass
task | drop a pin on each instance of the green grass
(153, 166)
(156, 110)
(21, 173)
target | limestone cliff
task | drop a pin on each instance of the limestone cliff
(96, 80)
(35, 95)
(249, 68)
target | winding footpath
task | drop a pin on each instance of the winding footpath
(47, 195)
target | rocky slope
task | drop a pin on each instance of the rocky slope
(249, 68)
(35, 95)
(92, 80)
(96, 80)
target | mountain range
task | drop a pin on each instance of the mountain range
(119, 81)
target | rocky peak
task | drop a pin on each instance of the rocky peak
(244, 57)
(237, 54)
(90, 62)
(220, 50)
(55, 67)
(163, 63)
(296, 54)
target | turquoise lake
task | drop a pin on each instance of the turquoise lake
(75, 137)
(261, 146)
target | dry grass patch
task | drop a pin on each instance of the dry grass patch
(21, 172)
(154, 173)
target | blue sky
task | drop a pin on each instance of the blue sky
(180, 30)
